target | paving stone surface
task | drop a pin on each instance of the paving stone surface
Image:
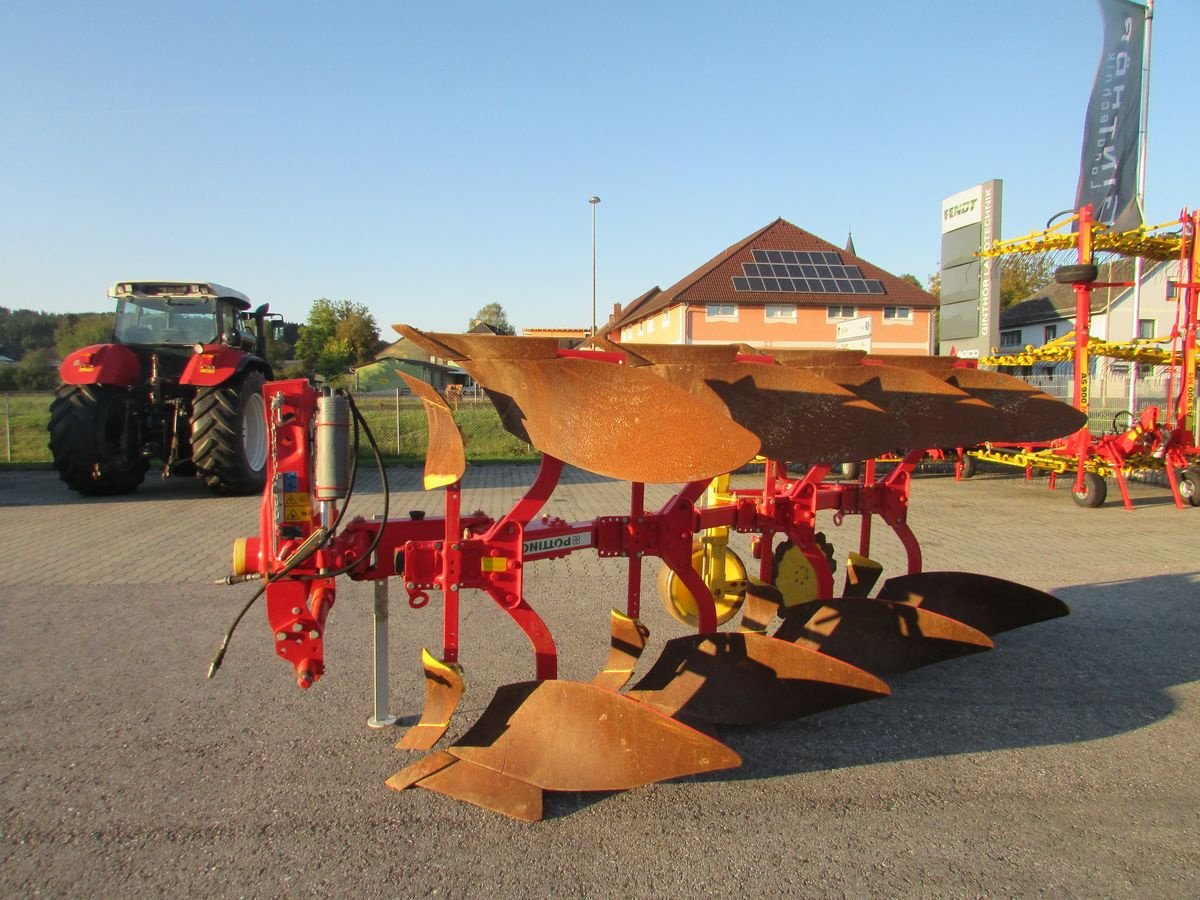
(1061, 763)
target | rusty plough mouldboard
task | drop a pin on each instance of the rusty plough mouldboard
(760, 643)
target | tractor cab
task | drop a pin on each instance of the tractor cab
(182, 314)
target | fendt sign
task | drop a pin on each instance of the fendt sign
(970, 306)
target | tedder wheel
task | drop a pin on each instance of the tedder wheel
(679, 600)
(1076, 274)
(1117, 427)
(1189, 485)
(969, 466)
(1093, 493)
(229, 435)
(92, 451)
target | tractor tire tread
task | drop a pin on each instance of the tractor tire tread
(217, 447)
(84, 454)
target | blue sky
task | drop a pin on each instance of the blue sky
(427, 159)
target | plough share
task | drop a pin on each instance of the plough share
(686, 415)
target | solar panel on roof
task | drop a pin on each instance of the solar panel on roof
(802, 271)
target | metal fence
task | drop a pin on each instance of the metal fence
(1108, 394)
(25, 416)
(396, 419)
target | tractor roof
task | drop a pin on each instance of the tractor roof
(192, 290)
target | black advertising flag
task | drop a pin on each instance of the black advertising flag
(1108, 169)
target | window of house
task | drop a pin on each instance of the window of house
(1010, 338)
(666, 317)
(1049, 333)
(641, 326)
(1145, 330)
(626, 334)
(650, 326)
(780, 312)
(720, 311)
(894, 314)
(839, 312)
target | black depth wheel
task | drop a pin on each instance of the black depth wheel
(1189, 485)
(1076, 274)
(969, 466)
(89, 440)
(1094, 491)
(229, 435)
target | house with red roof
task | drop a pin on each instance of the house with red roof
(783, 287)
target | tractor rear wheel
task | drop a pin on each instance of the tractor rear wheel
(229, 435)
(88, 441)
(1094, 491)
(1189, 485)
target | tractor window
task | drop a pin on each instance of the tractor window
(166, 322)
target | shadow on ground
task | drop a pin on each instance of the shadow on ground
(1105, 670)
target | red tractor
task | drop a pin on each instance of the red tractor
(180, 384)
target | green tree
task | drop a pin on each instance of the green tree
(337, 335)
(82, 330)
(493, 314)
(36, 371)
(22, 330)
(360, 334)
(1021, 276)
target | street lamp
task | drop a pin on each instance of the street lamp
(594, 201)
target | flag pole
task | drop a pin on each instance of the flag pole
(1141, 198)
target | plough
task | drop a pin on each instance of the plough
(681, 415)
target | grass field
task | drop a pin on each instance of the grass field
(398, 425)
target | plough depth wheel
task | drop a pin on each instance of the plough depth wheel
(724, 573)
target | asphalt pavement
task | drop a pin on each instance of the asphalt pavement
(1062, 763)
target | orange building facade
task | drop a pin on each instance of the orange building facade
(784, 287)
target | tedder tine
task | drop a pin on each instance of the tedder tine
(879, 636)
(445, 458)
(1028, 414)
(619, 421)
(625, 649)
(739, 678)
(563, 736)
(797, 415)
(443, 689)
(989, 604)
